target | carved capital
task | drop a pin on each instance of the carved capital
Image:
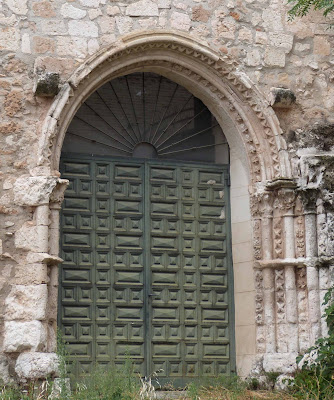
(262, 204)
(309, 199)
(285, 200)
(57, 195)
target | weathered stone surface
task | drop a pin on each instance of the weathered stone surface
(9, 39)
(72, 46)
(13, 103)
(124, 24)
(68, 11)
(164, 3)
(143, 8)
(274, 57)
(43, 45)
(180, 21)
(34, 191)
(26, 303)
(254, 57)
(83, 28)
(282, 98)
(284, 41)
(47, 85)
(107, 24)
(113, 10)
(54, 27)
(43, 9)
(4, 370)
(26, 237)
(32, 274)
(36, 365)
(280, 362)
(17, 6)
(322, 46)
(21, 336)
(200, 14)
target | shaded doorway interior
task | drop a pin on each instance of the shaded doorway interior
(146, 233)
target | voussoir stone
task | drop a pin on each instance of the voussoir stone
(36, 365)
(20, 336)
(34, 190)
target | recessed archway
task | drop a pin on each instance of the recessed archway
(252, 130)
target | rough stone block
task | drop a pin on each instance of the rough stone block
(68, 11)
(32, 274)
(180, 21)
(322, 46)
(9, 39)
(124, 24)
(36, 365)
(26, 237)
(164, 3)
(282, 98)
(34, 191)
(83, 28)
(54, 27)
(26, 302)
(143, 8)
(278, 39)
(280, 362)
(20, 336)
(75, 46)
(47, 85)
(274, 57)
(17, 6)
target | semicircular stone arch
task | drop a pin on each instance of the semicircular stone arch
(253, 134)
(253, 128)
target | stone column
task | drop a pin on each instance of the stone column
(287, 202)
(266, 208)
(56, 200)
(312, 273)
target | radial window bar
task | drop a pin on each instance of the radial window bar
(146, 108)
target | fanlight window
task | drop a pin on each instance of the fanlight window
(145, 115)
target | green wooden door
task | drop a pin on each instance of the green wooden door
(147, 267)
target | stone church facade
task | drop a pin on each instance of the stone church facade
(267, 81)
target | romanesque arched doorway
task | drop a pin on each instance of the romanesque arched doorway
(146, 240)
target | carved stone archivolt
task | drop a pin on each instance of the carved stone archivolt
(177, 56)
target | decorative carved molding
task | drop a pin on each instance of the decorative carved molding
(57, 195)
(261, 205)
(302, 303)
(278, 237)
(259, 309)
(197, 61)
(299, 228)
(309, 199)
(257, 239)
(300, 236)
(280, 295)
(285, 200)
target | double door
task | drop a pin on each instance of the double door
(147, 267)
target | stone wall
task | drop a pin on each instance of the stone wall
(292, 218)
